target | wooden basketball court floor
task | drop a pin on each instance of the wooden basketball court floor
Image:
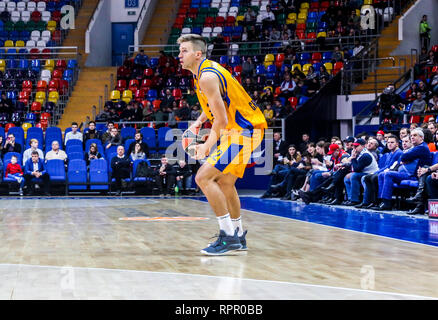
(148, 248)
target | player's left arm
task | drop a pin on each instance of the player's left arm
(210, 86)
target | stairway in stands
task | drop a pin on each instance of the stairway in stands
(388, 42)
(159, 28)
(92, 81)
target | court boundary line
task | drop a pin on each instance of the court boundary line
(320, 224)
(224, 277)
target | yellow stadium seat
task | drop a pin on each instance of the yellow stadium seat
(2, 65)
(54, 97)
(304, 5)
(51, 25)
(304, 11)
(25, 126)
(302, 16)
(127, 96)
(49, 65)
(20, 43)
(239, 18)
(115, 95)
(328, 66)
(40, 97)
(9, 43)
(269, 57)
(290, 21)
(296, 65)
(292, 16)
(301, 21)
(358, 12)
(306, 68)
(322, 34)
(368, 2)
(267, 63)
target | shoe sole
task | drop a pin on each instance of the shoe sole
(228, 251)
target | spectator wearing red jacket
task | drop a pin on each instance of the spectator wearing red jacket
(14, 170)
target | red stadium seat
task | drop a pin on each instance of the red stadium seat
(219, 21)
(35, 16)
(156, 104)
(177, 94)
(27, 86)
(63, 87)
(57, 74)
(61, 65)
(139, 95)
(316, 57)
(146, 83)
(53, 85)
(35, 107)
(41, 85)
(8, 126)
(121, 85)
(148, 73)
(293, 102)
(24, 96)
(133, 85)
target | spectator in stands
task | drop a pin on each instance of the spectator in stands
(275, 34)
(429, 139)
(337, 55)
(92, 154)
(11, 145)
(370, 181)
(55, 153)
(33, 147)
(168, 99)
(269, 115)
(267, 97)
(114, 139)
(305, 140)
(287, 87)
(357, 48)
(183, 113)
(219, 46)
(362, 163)
(248, 69)
(137, 153)
(411, 93)
(6, 105)
(106, 135)
(422, 87)
(142, 60)
(288, 6)
(348, 144)
(183, 177)
(92, 133)
(280, 148)
(268, 18)
(418, 106)
(404, 132)
(389, 105)
(418, 156)
(128, 113)
(73, 134)
(313, 86)
(168, 70)
(424, 33)
(35, 168)
(195, 113)
(121, 166)
(192, 98)
(249, 17)
(104, 115)
(373, 147)
(14, 170)
(138, 112)
(165, 176)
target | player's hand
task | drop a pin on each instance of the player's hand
(201, 152)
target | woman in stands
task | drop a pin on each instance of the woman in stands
(292, 159)
(138, 153)
(92, 153)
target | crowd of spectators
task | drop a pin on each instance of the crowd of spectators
(359, 171)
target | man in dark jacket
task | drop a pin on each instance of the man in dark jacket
(92, 133)
(34, 173)
(114, 139)
(139, 139)
(183, 177)
(165, 176)
(11, 145)
(121, 166)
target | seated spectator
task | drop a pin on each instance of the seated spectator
(92, 133)
(165, 177)
(104, 115)
(287, 87)
(121, 167)
(418, 156)
(139, 139)
(183, 177)
(11, 145)
(33, 147)
(142, 60)
(73, 134)
(292, 159)
(370, 181)
(137, 153)
(195, 113)
(55, 153)
(92, 154)
(269, 115)
(106, 135)
(248, 68)
(14, 170)
(114, 139)
(268, 18)
(34, 173)
(362, 163)
(419, 105)
(280, 148)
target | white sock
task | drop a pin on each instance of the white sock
(238, 223)
(226, 224)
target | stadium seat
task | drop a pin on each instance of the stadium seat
(77, 173)
(149, 137)
(98, 174)
(56, 170)
(127, 132)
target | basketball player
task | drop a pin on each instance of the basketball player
(239, 126)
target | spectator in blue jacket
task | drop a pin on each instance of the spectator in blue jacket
(142, 60)
(370, 181)
(35, 173)
(418, 156)
(362, 163)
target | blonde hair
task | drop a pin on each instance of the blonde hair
(198, 42)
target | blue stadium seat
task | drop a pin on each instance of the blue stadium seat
(77, 173)
(73, 148)
(35, 133)
(162, 142)
(98, 174)
(36, 65)
(260, 70)
(223, 60)
(56, 170)
(7, 157)
(153, 62)
(235, 61)
(75, 155)
(134, 171)
(128, 132)
(110, 152)
(149, 137)
(73, 142)
(128, 143)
